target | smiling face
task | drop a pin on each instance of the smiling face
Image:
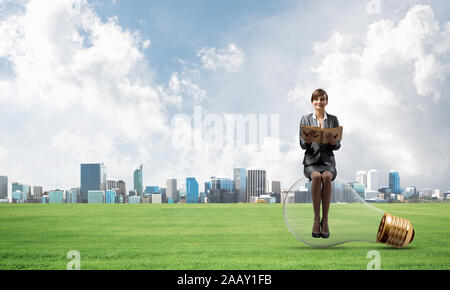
(320, 103)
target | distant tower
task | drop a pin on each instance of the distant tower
(256, 183)
(37, 191)
(121, 185)
(276, 186)
(138, 180)
(171, 189)
(91, 179)
(192, 190)
(3, 186)
(240, 184)
(394, 181)
(372, 180)
(361, 177)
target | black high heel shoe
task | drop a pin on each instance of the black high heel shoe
(316, 235)
(324, 235)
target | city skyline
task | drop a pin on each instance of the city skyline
(117, 81)
(256, 183)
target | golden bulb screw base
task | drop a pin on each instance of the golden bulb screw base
(395, 231)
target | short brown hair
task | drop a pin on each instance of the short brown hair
(318, 93)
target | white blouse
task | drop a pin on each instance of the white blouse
(317, 121)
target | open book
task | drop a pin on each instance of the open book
(320, 135)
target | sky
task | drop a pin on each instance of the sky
(157, 83)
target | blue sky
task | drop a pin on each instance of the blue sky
(103, 81)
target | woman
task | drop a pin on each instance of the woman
(320, 166)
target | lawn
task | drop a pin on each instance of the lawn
(200, 236)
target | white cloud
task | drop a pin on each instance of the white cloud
(230, 58)
(82, 84)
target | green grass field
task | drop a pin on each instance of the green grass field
(203, 236)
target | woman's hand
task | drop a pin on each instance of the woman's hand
(331, 139)
(310, 136)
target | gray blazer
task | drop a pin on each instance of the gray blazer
(318, 153)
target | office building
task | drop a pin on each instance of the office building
(394, 181)
(138, 186)
(192, 190)
(91, 179)
(25, 189)
(3, 186)
(156, 198)
(371, 195)
(240, 184)
(256, 183)
(134, 199)
(111, 184)
(171, 189)
(37, 191)
(96, 196)
(359, 188)
(303, 195)
(222, 183)
(276, 186)
(162, 191)
(56, 196)
(410, 191)
(110, 196)
(151, 189)
(372, 180)
(361, 177)
(72, 195)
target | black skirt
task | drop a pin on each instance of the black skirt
(320, 168)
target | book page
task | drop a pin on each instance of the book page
(337, 133)
(316, 131)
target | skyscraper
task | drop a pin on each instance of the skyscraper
(171, 189)
(372, 180)
(121, 185)
(256, 183)
(192, 190)
(103, 177)
(72, 195)
(111, 184)
(91, 179)
(240, 184)
(361, 177)
(138, 180)
(3, 186)
(276, 186)
(37, 191)
(222, 183)
(394, 181)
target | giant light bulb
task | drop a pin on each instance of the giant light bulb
(350, 218)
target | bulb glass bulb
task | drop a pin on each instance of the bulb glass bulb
(350, 217)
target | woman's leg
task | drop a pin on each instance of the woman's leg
(327, 176)
(316, 181)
